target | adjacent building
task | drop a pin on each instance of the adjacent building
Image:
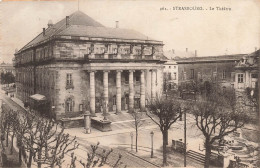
(79, 65)
(219, 69)
(247, 71)
(170, 74)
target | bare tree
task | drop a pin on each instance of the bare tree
(217, 116)
(164, 112)
(138, 122)
(57, 147)
(94, 159)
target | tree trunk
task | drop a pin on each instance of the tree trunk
(207, 154)
(20, 156)
(39, 157)
(7, 133)
(12, 143)
(165, 139)
(29, 164)
(136, 139)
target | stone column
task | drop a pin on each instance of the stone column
(106, 51)
(105, 82)
(118, 91)
(142, 92)
(131, 91)
(153, 85)
(118, 52)
(92, 54)
(92, 92)
(131, 51)
(153, 52)
(142, 51)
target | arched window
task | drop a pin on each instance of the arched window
(69, 105)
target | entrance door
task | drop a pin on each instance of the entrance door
(114, 103)
(126, 101)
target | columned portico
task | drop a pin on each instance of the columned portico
(153, 85)
(118, 91)
(142, 92)
(131, 90)
(92, 92)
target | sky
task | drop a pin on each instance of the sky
(210, 32)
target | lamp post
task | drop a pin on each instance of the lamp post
(132, 135)
(152, 133)
(185, 145)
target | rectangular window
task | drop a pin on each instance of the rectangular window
(81, 107)
(174, 67)
(240, 78)
(69, 82)
(224, 75)
(174, 76)
(169, 76)
(69, 79)
(192, 73)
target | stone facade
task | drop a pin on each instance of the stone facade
(78, 73)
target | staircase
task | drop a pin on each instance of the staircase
(196, 156)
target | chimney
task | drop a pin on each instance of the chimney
(43, 31)
(195, 53)
(67, 21)
(255, 48)
(186, 49)
(117, 24)
(173, 51)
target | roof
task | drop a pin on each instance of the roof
(90, 31)
(81, 24)
(171, 54)
(219, 58)
(38, 97)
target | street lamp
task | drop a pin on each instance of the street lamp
(132, 135)
(151, 143)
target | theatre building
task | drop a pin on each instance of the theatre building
(79, 65)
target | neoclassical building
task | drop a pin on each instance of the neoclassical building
(79, 65)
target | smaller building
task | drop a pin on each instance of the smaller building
(220, 69)
(170, 74)
(247, 72)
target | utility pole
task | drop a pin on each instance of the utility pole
(185, 144)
